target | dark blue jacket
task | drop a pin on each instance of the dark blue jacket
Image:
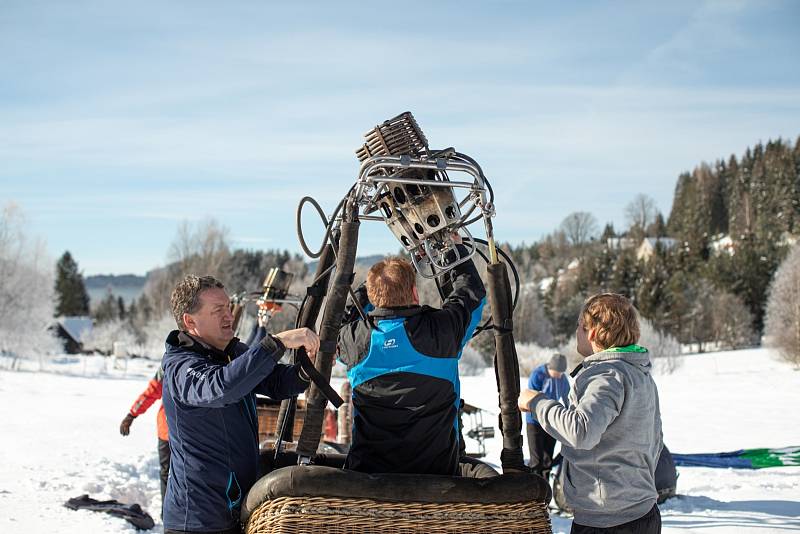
(556, 389)
(209, 399)
(257, 333)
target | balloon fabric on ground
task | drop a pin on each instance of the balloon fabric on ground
(745, 458)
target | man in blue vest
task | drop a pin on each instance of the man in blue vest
(403, 366)
(548, 378)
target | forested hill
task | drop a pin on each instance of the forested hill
(755, 197)
(702, 276)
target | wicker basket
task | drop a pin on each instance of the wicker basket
(316, 515)
(397, 508)
(267, 411)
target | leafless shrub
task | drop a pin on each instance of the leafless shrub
(196, 249)
(27, 294)
(732, 322)
(782, 326)
(664, 349)
(103, 336)
(579, 227)
(471, 362)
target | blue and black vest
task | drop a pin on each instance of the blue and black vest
(406, 391)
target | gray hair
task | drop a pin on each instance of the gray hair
(186, 295)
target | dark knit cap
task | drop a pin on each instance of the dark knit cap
(558, 362)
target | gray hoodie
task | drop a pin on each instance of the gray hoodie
(610, 437)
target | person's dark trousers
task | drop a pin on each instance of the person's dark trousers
(650, 523)
(541, 446)
(163, 460)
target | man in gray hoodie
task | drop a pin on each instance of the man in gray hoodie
(611, 433)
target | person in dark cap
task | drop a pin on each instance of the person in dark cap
(549, 378)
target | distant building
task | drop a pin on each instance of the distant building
(787, 239)
(71, 330)
(723, 244)
(620, 243)
(649, 244)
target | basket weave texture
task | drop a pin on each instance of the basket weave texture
(332, 515)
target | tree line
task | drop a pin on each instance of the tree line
(705, 280)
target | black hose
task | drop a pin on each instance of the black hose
(488, 324)
(325, 223)
(328, 224)
(480, 171)
(510, 263)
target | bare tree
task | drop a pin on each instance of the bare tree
(579, 227)
(200, 249)
(664, 349)
(27, 292)
(782, 326)
(640, 213)
(732, 321)
(530, 321)
(197, 249)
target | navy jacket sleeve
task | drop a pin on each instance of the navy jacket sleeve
(198, 381)
(258, 335)
(284, 381)
(252, 336)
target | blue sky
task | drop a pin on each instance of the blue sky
(119, 121)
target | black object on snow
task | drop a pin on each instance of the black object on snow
(132, 513)
(666, 476)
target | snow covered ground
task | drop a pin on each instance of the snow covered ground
(60, 439)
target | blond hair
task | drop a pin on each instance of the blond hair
(390, 283)
(613, 318)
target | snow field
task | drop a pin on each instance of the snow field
(61, 439)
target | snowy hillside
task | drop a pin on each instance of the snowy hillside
(60, 439)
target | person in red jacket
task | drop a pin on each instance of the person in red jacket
(143, 402)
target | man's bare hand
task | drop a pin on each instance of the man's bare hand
(456, 237)
(525, 398)
(301, 337)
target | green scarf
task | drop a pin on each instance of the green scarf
(629, 348)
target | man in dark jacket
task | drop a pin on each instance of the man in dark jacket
(209, 387)
(403, 367)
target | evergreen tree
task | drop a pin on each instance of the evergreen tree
(625, 275)
(748, 273)
(651, 289)
(658, 228)
(608, 233)
(121, 308)
(70, 290)
(107, 310)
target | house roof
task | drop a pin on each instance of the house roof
(666, 241)
(76, 326)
